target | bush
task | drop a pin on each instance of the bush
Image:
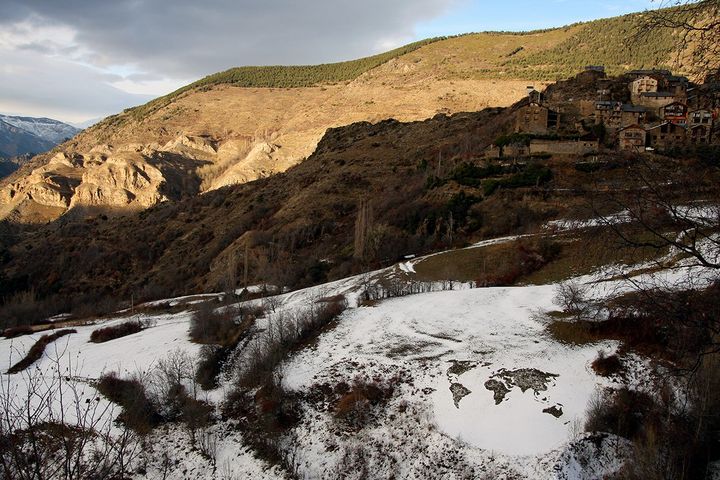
(138, 413)
(606, 366)
(13, 332)
(622, 413)
(24, 308)
(211, 326)
(124, 329)
(533, 175)
(210, 364)
(38, 349)
(354, 406)
(282, 335)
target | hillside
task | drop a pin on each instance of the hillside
(250, 122)
(424, 185)
(446, 380)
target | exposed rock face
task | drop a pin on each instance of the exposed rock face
(120, 181)
(135, 175)
(262, 160)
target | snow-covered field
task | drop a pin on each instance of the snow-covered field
(445, 347)
(478, 389)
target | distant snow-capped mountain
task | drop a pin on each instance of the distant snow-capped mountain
(48, 129)
(17, 141)
(23, 137)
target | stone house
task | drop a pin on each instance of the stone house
(632, 138)
(609, 114)
(677, 85)
(616, 115)
(675, 112)
(646, 73)
(536, 118)
(508, 151)
(699, 134)
(700, 117)
(655, 100)
(665, 135)
(645, 84)
(633, 114)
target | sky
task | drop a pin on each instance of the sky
(76, 60)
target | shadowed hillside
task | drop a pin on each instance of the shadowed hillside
(250, 122)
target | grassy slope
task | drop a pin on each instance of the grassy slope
(539, 55)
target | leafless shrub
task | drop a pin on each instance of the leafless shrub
(573, 299)
(50, 427)
(37, 350)
(215, 326)
(354, 464)
(607, 365)
(208, 445)
(353, 408)
(13, 332)
(284, 332)
(211, 360)
(124, 329)
(139, 413)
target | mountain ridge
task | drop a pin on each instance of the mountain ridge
(227, 133)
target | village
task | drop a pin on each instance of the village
(640, 111)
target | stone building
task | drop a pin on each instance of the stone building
(675, 112)
(646, 73)
(536, 118)
(633, 114)
(700, 117)
(632, 138)
(616, 115)
(645, 84)
(609, 114)
(699, 134)
(665, 135)
(655, 100)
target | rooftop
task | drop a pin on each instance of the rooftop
(657, 94)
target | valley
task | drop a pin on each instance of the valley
(483, 256)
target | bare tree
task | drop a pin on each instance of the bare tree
(54, 425)
(697, 27)
(363, 227)
(662, 210)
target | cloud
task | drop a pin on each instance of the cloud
(187, 38)
(89, 58)
(37, 85)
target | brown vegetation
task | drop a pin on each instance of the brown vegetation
(607, 365)
(138, 412)
(38, 349)
(124, 329)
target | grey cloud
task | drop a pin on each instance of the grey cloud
(36, 85)
(188, 38)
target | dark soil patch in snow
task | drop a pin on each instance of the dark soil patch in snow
(411, 348)
(524, 378)
(461, 366)
(499, 389)
(459, 391)
(556, 411)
